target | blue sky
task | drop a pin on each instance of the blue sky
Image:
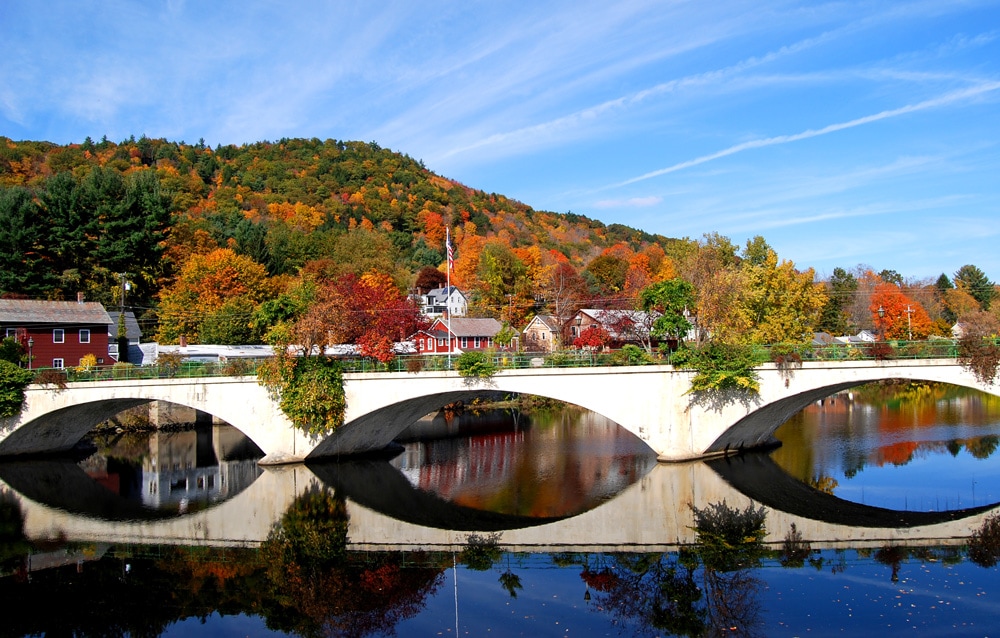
(844, 133)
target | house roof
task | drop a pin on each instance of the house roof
(132, 329)
(444, 291)
(470, 326)
(823, 339)
(549, 321)
(29, 311)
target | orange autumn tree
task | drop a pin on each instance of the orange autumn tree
(467, 261)
(638, 276)
(207, 283)
(901, 316)
(432, 224)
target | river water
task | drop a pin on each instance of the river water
(553, 522)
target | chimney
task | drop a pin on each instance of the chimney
(182, 341)
(79, 297)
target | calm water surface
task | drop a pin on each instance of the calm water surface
(925, 447)
(103, 545)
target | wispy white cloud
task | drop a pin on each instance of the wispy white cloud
(536, 133)
(795, 216)
(943, 100)
(633, 202)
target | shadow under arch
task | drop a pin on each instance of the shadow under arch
(381, 487)
(758, 477)
(62, 429)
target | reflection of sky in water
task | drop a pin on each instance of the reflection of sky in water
(938, 452)
(934, 481)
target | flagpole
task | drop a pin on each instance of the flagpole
(447, 299)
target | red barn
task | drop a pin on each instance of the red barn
(57, 334)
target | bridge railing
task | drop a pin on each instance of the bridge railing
(931, 349)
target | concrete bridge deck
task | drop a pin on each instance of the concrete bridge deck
(650, 401)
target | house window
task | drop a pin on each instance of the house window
(440, 342)
(84, 335)
(465, 342)
(12, 332)
(58, 336)
(58, 364)
(475, 342)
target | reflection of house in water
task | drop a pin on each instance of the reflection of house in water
(183, 468)
(561, 467)
(469, 448)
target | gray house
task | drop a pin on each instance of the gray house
(133, 333)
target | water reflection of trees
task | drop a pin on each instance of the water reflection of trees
(895, 418)
(657, 593)
(13, 544)
(481, 553)
(301, 581)
(317, 589)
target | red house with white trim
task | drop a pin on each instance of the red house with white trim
(57, 334)
(466, 334)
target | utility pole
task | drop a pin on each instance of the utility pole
(909, 324)
(121, 305)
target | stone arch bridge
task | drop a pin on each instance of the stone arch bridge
(652, 402)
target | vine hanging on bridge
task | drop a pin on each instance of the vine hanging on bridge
(310, 391)
(13, 381)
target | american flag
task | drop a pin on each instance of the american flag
(447, 243)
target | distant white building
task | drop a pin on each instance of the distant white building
(447, 300)
(214, 353)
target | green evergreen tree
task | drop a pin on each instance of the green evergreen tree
(976, 283)
(22, 230)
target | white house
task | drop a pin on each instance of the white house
(445, 300)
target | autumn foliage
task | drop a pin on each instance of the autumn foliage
(369, 311)
(900, 316)
(206, 235)
(205, 284)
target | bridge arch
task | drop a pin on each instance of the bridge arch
(61, 429)
(381, 406)
(798, 388)
(55, 419)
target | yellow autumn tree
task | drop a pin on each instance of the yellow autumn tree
(780, 304)
(298, 216)
(207, 282)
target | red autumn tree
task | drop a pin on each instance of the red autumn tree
(593, 337)
(369, 311)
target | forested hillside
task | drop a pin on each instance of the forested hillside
(75, 217)
(229, 245)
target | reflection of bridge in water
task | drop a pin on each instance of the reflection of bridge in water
(387, 513)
